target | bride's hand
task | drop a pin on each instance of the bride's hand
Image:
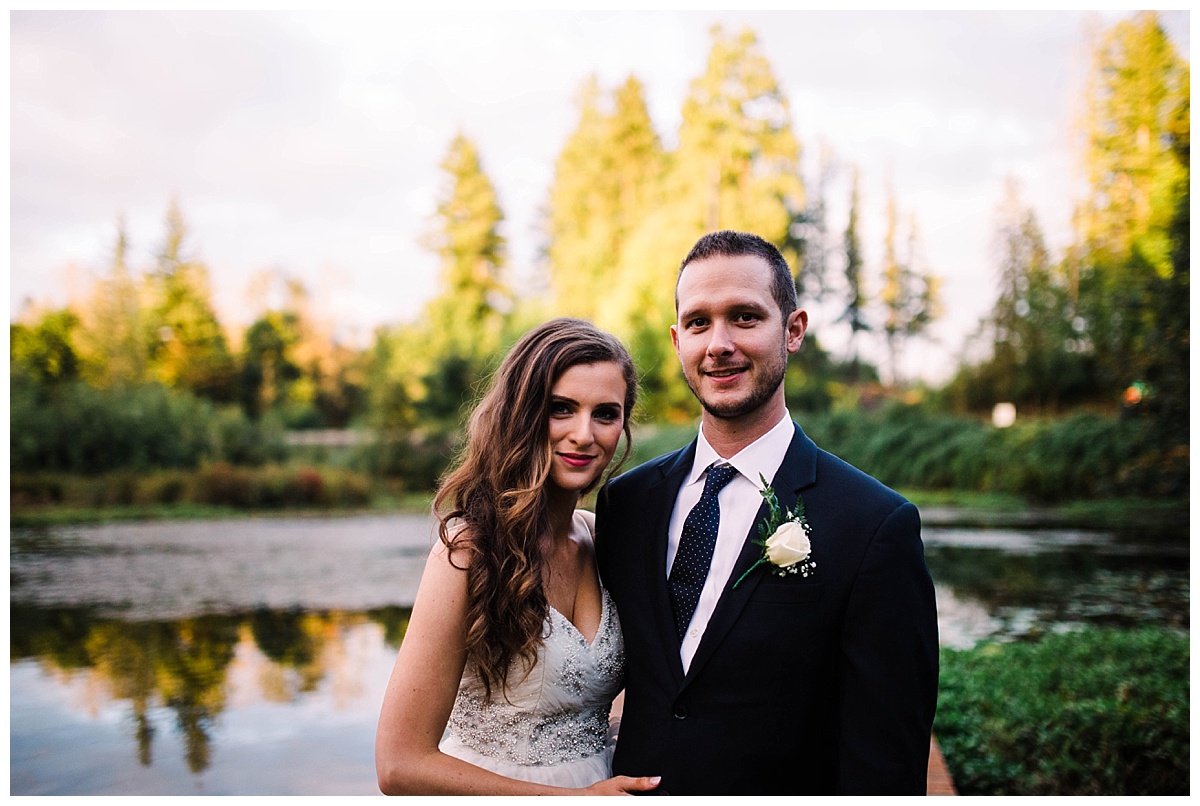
(621, 785)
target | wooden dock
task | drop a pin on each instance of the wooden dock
(938, 781)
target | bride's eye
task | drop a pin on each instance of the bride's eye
(608, 414)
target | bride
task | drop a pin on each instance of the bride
(513, 654)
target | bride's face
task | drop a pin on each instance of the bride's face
(586, 421)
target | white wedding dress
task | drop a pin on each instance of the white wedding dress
(553, 728)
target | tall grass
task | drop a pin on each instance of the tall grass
(1078, 457)
(1083, 456)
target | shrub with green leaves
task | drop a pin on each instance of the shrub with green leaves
(1094, 712)
(75, 428)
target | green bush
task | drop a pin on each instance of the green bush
(74, 428)
(1094, 712)
(242, 441)
(418, 461)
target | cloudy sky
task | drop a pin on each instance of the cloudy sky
(308, 143)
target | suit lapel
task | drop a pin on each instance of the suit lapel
(661, 502)
(797, 471)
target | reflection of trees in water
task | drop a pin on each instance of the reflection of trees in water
(1081, 585)
(192, 678)
(394, 621)
(288, 639)
(125, 659)
(184, 665)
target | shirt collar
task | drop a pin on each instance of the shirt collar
(761, 458)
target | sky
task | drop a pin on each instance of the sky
(307, 144)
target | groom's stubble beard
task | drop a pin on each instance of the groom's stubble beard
(763, 390)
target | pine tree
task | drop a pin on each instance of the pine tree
(909, 294)
(1131, 250)
(738, 163)
(425, 373)
(855, 311)
(115, 352)
(809, 233)
(187, 346)
(580, 222)
(1034, 360)
(466, 317)
(605, 181)
(736, 167)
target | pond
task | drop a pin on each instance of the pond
(250, 656)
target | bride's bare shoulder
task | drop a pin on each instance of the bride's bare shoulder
(451, 552)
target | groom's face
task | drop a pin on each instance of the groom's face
(730, 334)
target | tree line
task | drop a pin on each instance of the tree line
(1103, 324)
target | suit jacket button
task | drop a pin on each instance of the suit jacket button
(681, 711)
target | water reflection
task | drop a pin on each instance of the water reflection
(998, 584)
(250, 657)
(191, 669)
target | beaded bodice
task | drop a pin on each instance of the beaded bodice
(557, 712)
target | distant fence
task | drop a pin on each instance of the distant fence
(330, 437)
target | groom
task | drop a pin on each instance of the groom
(744, 678)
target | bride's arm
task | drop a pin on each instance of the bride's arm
(420, 695)
(421, 692)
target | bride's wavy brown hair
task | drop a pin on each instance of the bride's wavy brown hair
(493, 507)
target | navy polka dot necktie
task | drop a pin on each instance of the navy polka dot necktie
(696, 544)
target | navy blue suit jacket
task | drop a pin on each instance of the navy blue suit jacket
(824, 684)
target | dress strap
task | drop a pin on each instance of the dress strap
(586, 520)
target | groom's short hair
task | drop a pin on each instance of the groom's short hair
(729, 243)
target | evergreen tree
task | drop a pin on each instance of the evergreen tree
(580, 219)
(187, 346)
(638, 159)
(423, 374)
(855, 311)
(738, 164)
(605, 181)
(115, 352)
(736, 167)
(909, 295)
(1131, 249)
(810, 234)
(1034, 349)
(467, 316)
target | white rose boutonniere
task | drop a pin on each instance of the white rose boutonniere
(784, 538)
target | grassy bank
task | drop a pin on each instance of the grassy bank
(212, 491)
(1094, 712)
(93, 500)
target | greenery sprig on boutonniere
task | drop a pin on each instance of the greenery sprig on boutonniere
(784, 538)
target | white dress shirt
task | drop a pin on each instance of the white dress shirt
(739, 501)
